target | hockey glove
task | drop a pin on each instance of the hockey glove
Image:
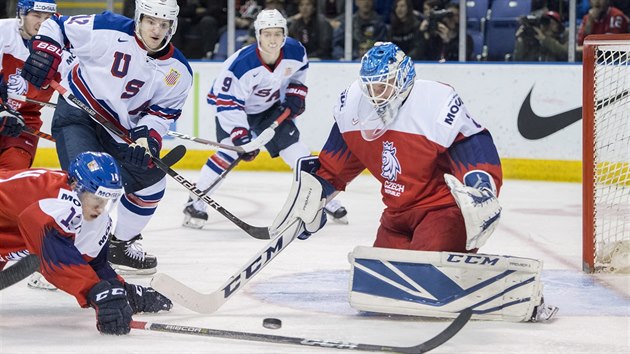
(479, 205)
(143, 299)
(147, 143)
(241, 136)
(41, 65)
(11, 122)
(113, 313)
(295, 99)
(302, 214)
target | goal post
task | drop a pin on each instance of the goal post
(606, 153)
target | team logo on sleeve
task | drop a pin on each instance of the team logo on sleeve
(172, 77)
(18, 86)
(390, 169)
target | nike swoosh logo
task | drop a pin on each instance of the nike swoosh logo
(292, 132)
(254, 75)
(533, 127)
(122, 40)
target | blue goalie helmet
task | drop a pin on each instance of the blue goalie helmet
(97, 173)
(26, 6)
(386, 78)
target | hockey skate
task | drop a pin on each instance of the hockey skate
(337, 211)
(37, 281)
(127, 257)
(544, 312)
(193, 217)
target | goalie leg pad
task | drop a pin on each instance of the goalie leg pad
(442, 284)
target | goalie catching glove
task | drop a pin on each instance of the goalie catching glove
(478, 203)
(303, 212)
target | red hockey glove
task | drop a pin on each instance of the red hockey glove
(295, 99)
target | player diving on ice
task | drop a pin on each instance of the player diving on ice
(257, 85)
(129, 73)
(440, 174)
(62, 217)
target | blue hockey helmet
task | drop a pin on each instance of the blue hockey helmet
(26, 6)
(386, 78)
(97, 173)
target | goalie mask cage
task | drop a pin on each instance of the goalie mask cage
(606, 154)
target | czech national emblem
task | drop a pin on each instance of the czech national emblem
(390, 167)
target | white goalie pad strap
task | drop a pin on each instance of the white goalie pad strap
(441, 284)
(304, 202)
(480, 208)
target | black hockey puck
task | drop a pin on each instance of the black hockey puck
(272, 323)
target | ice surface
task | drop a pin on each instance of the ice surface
(306, 285)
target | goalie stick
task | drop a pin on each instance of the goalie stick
(254, 231)
(261, 140)
(453, 328)
(209, 303)
(20, 270)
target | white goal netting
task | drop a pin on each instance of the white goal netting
(611, 158)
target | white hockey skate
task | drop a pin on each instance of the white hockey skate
(337, 211)
(37, 281)
(194, 217)
(544, 312)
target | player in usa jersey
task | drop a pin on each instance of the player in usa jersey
(62, 218)
(129, 73)
(255, 86)
(17, 148)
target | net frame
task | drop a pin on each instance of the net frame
(606, 172)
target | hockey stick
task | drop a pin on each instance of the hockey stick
(38, 133)
(209, 303)
(20, 270)
(220, 178)
(22, 98)
(261, 140)
(441, 338)
(256, 232)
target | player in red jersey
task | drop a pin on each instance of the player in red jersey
(62, 217)
(409, 133)
(439, 172)
(17, 148)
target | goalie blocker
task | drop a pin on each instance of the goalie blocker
(442, 284)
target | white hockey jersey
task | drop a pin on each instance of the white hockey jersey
(433, 134)
(114, 74)
(246, 85)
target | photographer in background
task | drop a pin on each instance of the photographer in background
(443, 36)
(541, 38)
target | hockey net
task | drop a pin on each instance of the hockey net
(606, 154)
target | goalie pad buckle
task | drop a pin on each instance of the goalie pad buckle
(442, 284)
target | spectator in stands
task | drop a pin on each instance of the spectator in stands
(367, 28)
(313, 30)
(197, 29)
(331, 9)
(601, 19)
(443, 32)
(428, 7)
(405, 28)
(541, 38)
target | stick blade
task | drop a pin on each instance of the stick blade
(20, 270)
(185, 296)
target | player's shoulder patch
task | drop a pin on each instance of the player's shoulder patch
(65, 210)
